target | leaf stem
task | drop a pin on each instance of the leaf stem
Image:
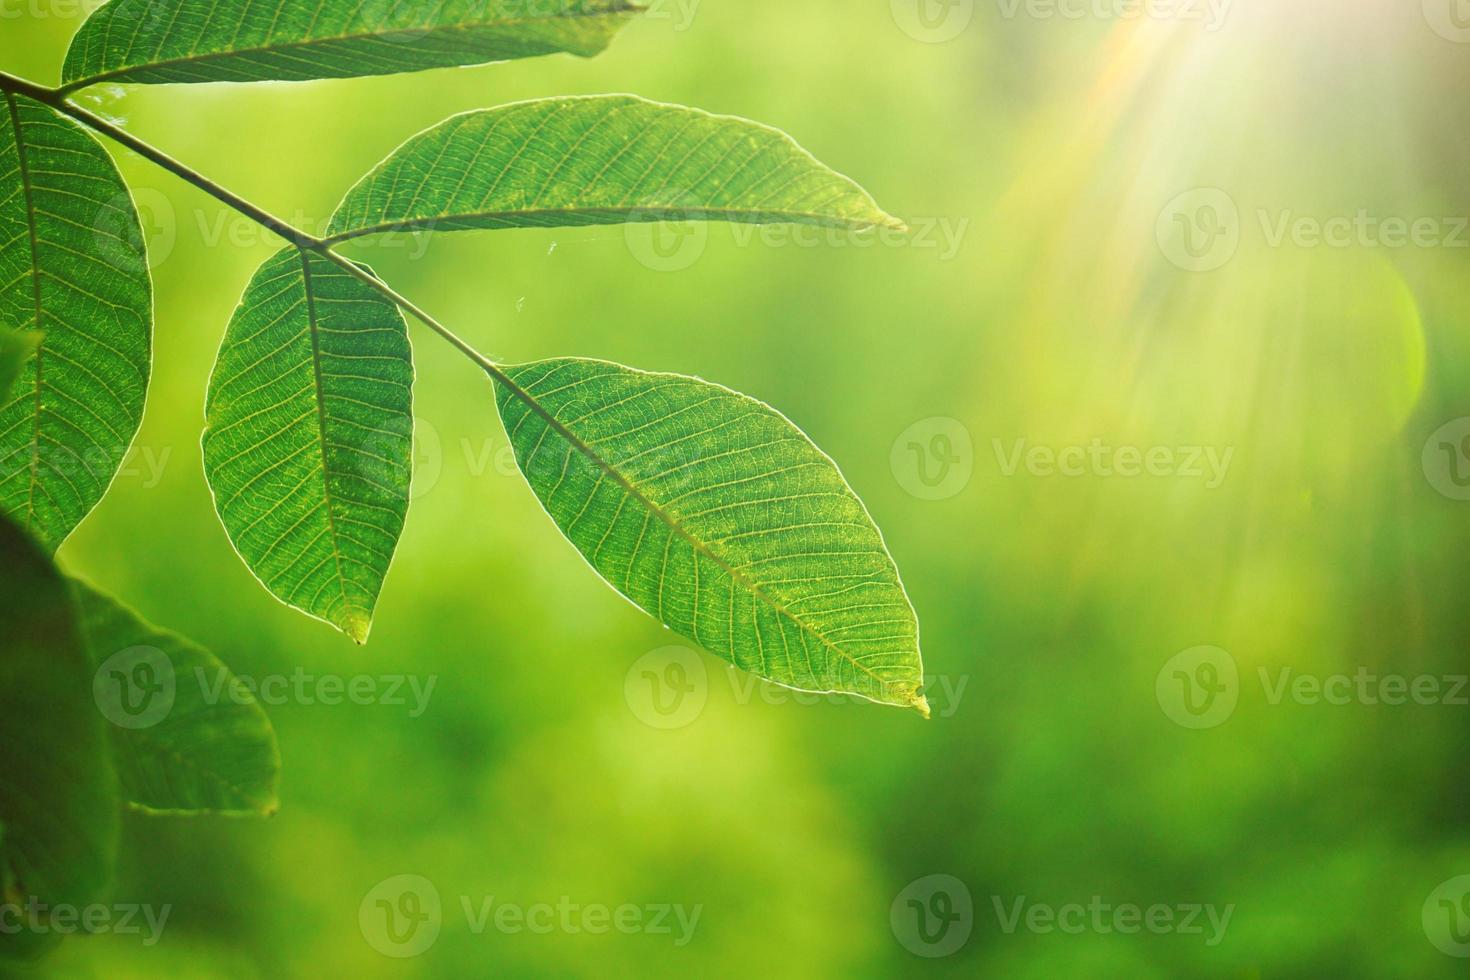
(56, 99)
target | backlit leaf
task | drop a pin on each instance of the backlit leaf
(602, 159)
(73, 266)
(308, 432)
(185, 737)
(293, 40)
(715, 514)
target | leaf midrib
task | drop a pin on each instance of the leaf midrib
(321, 419)
(23, 164)
(660, 212)
(674, 525)
(197, 59)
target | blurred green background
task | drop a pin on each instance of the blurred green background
(1110, 252)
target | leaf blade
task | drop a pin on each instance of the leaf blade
(604, 159)
(76, 269)
(58, 793)
(168, 41)
(205, 753)
(16, 347)
(308, 436)
(741, 535)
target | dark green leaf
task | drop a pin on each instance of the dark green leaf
(719, 517)
(602, 159)
(58, 794)
(295, 40)
(72, 265)
(185, 738)
(308, 436)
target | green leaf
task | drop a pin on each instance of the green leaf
(185, 737)
(15, 349)
(58, 793)
(72, 265)
(295, 40)
(715, 514)
(308, 436)
(602, 159)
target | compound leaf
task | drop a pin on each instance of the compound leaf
(716, 515)
(186, 737)
(58, 793)
(72, 265)
(308, 436)
(154, 41)
(602, 159)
